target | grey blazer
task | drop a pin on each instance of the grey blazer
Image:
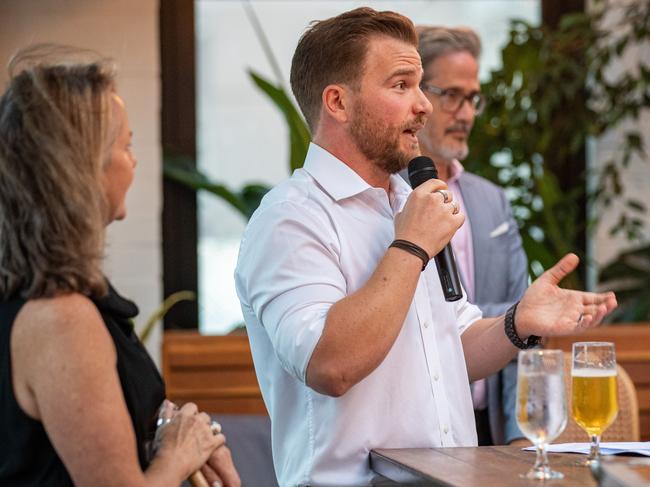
(500, 279)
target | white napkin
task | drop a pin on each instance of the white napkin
(608, 448)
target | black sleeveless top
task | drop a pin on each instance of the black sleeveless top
(27, 458)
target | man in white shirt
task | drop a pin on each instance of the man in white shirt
(488, 249)
(353, 343)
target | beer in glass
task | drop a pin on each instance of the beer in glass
(593, 390)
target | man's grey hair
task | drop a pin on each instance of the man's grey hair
(434, 42)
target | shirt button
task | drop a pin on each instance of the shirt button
(445, 430)
(426, 324)
(435, 377)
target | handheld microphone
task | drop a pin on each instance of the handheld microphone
(422, 169)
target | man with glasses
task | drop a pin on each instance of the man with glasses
(487, 247)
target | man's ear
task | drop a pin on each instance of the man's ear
(337, 102)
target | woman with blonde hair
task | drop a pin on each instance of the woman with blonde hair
(78, 392)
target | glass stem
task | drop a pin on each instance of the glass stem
(594, 451)
(541, 462)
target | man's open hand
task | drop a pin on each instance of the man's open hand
(547, 310)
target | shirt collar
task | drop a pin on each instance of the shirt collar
(398, 186)
(455, 170)
(338, 179)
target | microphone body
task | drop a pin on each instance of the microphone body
(422, 169)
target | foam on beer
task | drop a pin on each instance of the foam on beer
(593, 373)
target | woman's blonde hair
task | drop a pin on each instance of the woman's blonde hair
(56, 130)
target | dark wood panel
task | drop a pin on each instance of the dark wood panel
(216, 372)
(471, 467)
(178, 132)
(225, 405)
(228, 377)
(643, 396)
(628, 338)
(644, 426)
(490, 465)
(639, 371)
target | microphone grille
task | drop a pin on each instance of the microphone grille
(421, 169)
(420, 162)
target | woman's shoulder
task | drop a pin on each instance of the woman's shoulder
(68, 309)
(67, 320)
(59, 345)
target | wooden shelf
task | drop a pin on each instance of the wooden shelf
(215, 372)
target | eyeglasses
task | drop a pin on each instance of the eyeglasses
(451, 99)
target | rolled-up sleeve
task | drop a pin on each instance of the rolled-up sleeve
(288, 274)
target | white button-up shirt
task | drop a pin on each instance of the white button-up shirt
(316, 239)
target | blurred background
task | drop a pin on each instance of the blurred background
(565, 130)
(242, 137)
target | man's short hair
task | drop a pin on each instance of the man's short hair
(434, 42)
(334, 51)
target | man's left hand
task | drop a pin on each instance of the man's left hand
(548, 310)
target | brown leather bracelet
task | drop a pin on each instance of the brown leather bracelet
(412, 248)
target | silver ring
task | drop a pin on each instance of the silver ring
(455, 206)
(580, 318)
(215, 427)
(444, 193)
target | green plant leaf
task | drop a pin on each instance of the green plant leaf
(164, 308)
(553, 92)
(628, 275)
(252, 195)
(245, 201)
(299, 136)
(195, 179)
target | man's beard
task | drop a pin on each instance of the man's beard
(440, 148)
(448, 153)
(380, 143)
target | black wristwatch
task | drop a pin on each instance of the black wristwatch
(511, 331)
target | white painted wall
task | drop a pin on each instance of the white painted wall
(127, 31)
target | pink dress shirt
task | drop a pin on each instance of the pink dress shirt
(462, 239)
(464, 253)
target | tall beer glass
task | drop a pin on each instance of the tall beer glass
(594, 394)
(541, 404)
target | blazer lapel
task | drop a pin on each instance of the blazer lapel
(473, 201)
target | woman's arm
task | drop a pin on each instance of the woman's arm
(64, 375)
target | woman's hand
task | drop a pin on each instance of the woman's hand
(187, 439)
(220, 469)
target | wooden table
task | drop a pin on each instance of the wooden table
(478, 466)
